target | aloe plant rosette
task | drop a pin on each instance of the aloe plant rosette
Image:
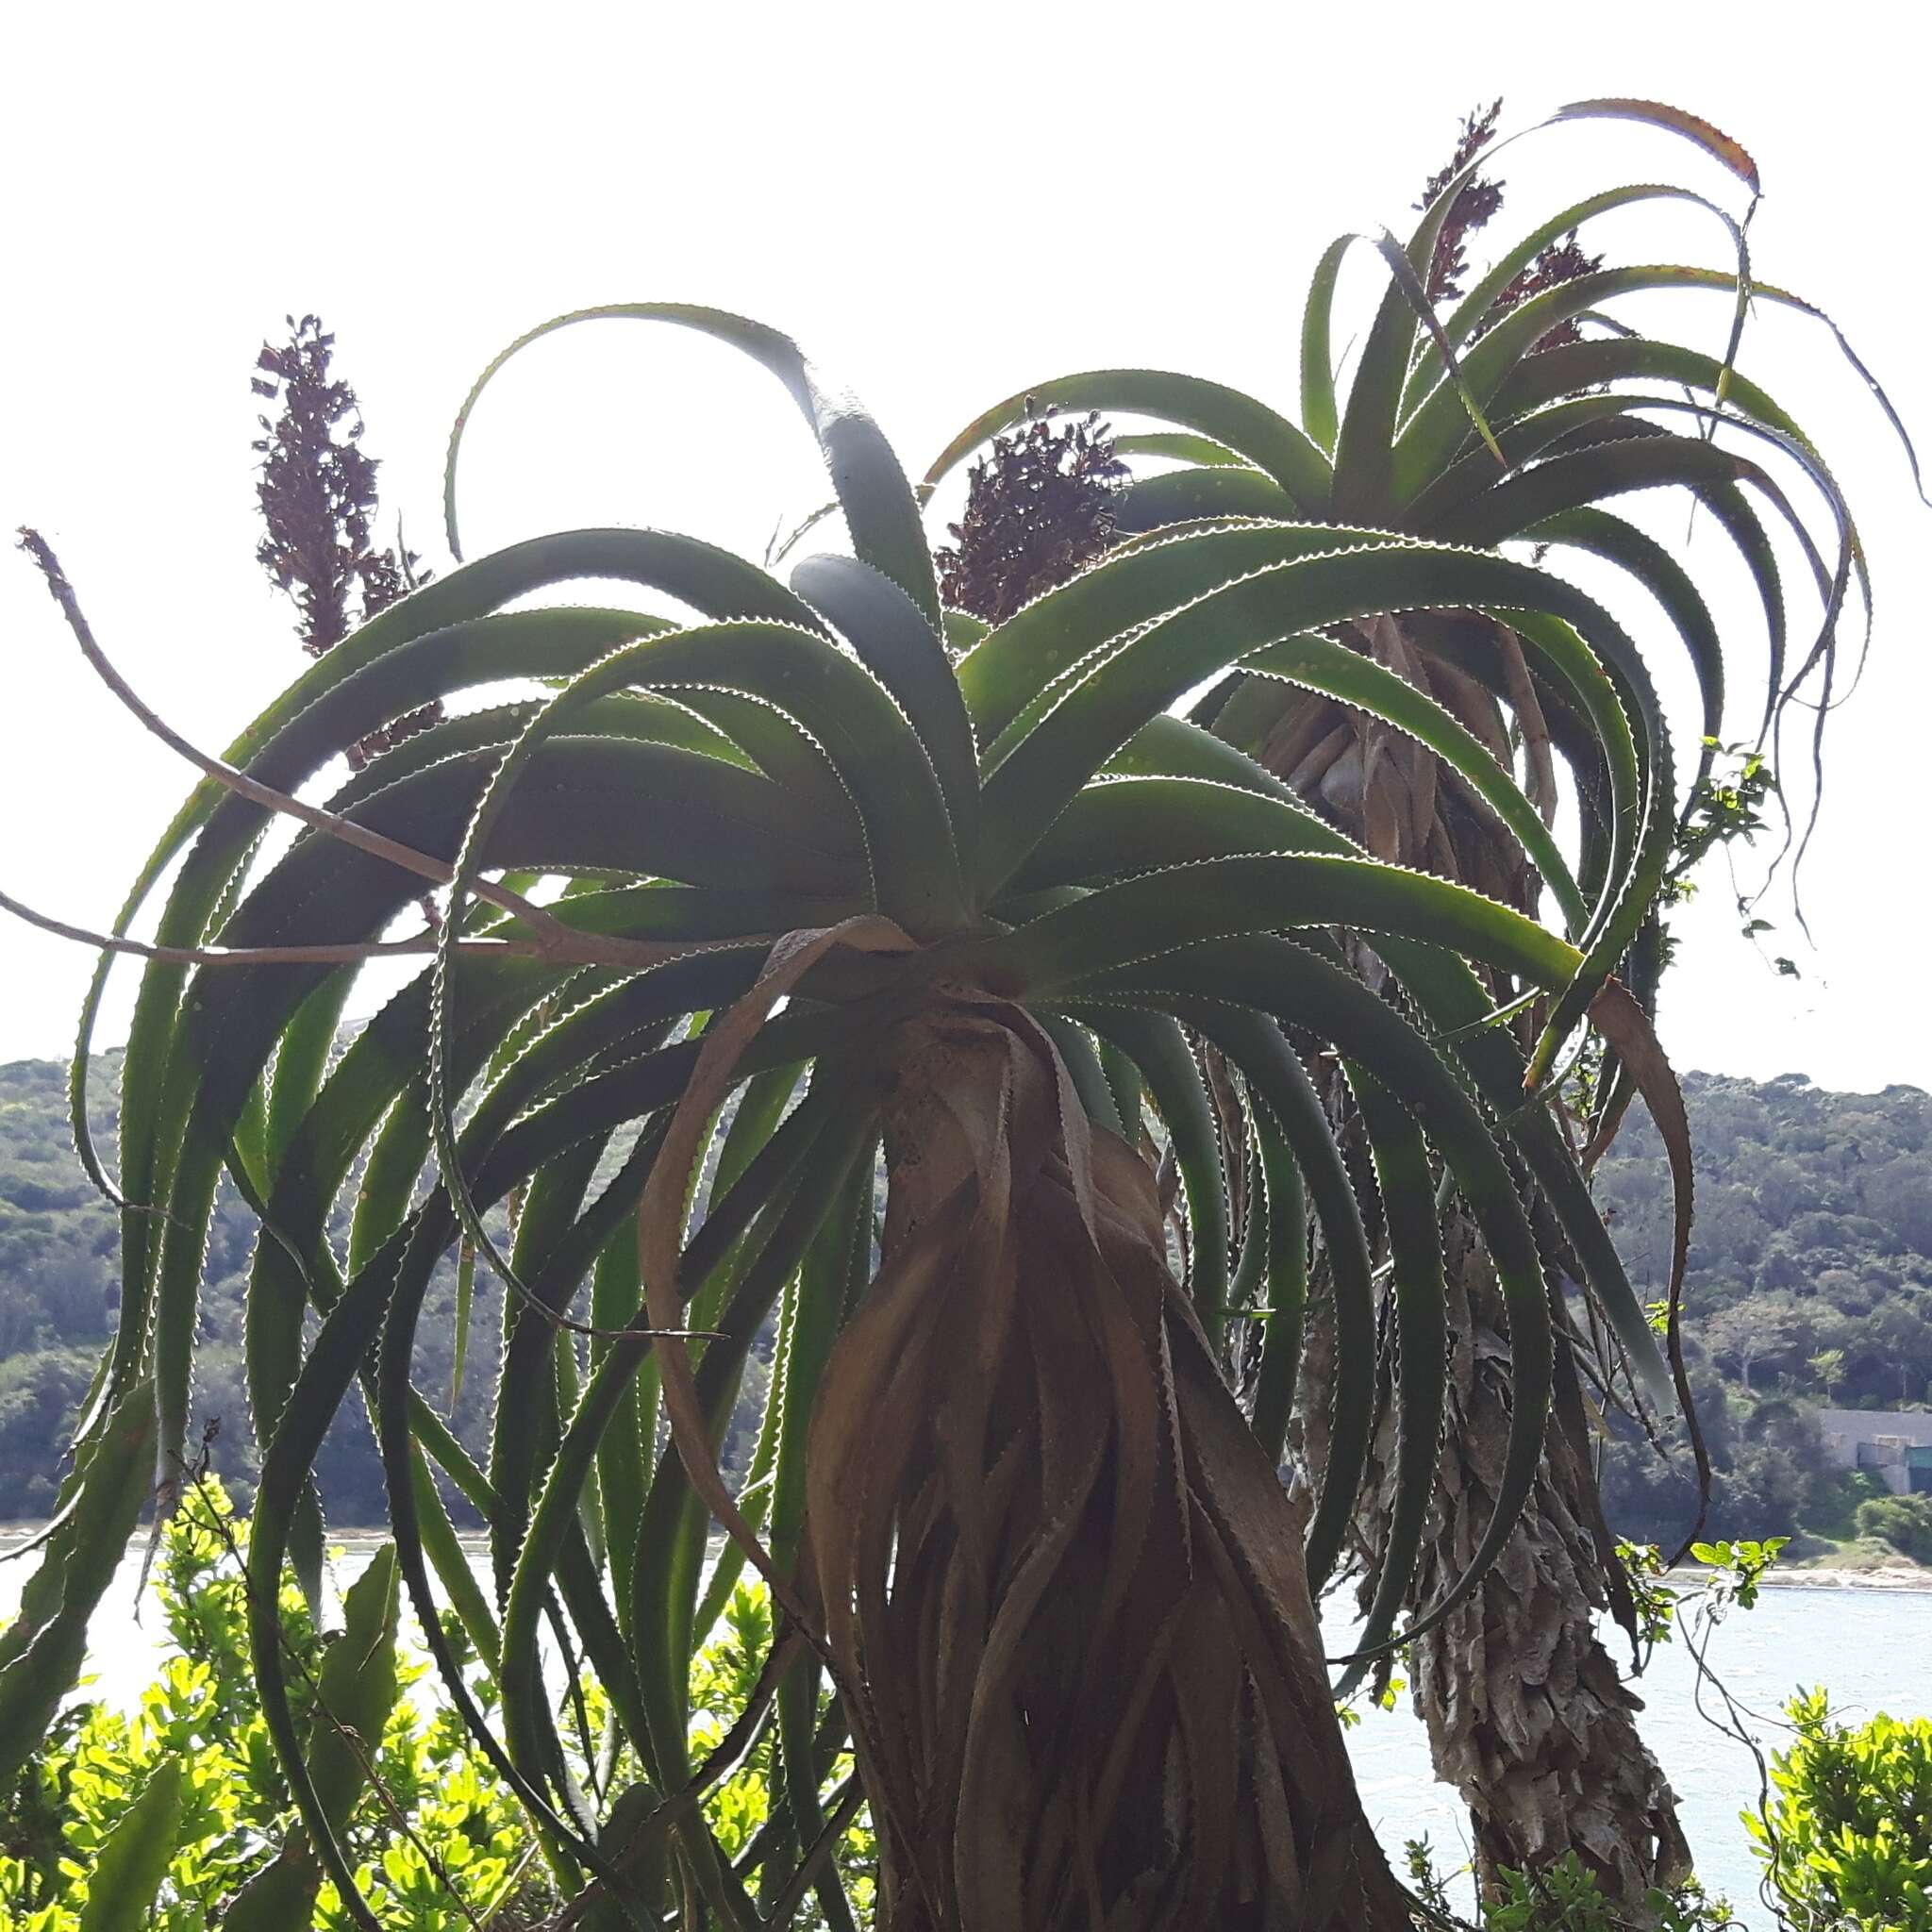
(1517, 413)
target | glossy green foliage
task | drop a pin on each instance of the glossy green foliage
(1846, 1837)
(869, 969)
(168, 1811)
(1564, 1896)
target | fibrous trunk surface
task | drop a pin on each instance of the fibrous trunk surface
(1062, 1587)
(1527, 1715)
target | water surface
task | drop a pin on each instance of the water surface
(1871, 1647)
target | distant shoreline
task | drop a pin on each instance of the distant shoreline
(1904, 1574)
(1893, 1576)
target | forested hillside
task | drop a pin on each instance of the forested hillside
(1811, 1253)
(59, 1243)
(1810, 1283)
(1810, 1280)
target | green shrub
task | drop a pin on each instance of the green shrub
(232, 1816)
(1848, 1835)
(1904, 1522)
(1566, 1897)
(1563, 1897)
(193, 1757)
(1836, 1513)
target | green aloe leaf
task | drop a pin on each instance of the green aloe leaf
(1265, 439)
(1364, 457)
(1319, 664)
(1029, 788)
(1408, 1189)
(43, 1649)
(1055, 637)
(1476, 308)
(1319, 415)
(1177, 445)
(1287, 1286)
(437, 634)
(1218, 493)
(898, 644)
(1273, 1070)
(133, 1860)
(1216, 898)
(1693, 128)
(355, 1690)
(1172, 1082)
(873, 492)
(1274, 976)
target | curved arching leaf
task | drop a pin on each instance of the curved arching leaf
(1161, 1056)
(328, 707)
(1319, 415)
(1286, 1200)
(1422, 1340)
(1257, 1047)
(1149, 915)
(1293, 984)
(1026, 790)
(897, 644)
(131, 1861)
(1053, 636)
(1476, 308)
(873, 492)
(1267, 440)
(1317, 663)
(1218, 493)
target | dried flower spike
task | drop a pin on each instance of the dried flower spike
(317, 491)
(1039, 510)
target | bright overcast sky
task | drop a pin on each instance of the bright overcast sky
(944, 204)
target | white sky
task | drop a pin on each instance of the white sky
(944, 205)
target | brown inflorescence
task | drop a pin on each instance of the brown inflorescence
(317, 491)
(1039, 510)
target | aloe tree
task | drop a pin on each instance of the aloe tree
(821, 898)
(1004, 1500)
(1439, 737)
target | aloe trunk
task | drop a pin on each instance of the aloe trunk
(1528, 1714)
(1529, 1717)
(1064, 1592)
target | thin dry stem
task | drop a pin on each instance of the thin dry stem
(422, 863)
(417, 944)
(570, 948)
